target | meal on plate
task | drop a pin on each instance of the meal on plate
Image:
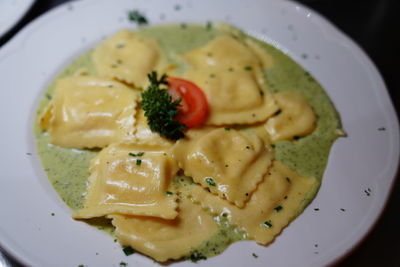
(181, 139)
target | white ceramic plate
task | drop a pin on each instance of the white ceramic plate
(358, 179)
(11, 11)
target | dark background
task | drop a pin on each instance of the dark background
(374, 25)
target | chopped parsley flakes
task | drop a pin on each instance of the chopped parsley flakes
(136, 16)
(139, 154)
(278, 208)
(210, 181)
(196, 256)
(267, 224)
(128, 250)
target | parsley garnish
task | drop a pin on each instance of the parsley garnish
(169, 193)
(196, 256)
(278, 208)
(136, 16)
(128, 250)
(227, 129)
(267, 224)
(160, 110)
(255, 255)
(248, 68)
(138, 162)
(211, 182)
(123, 264)
(139, 154)
(208, 25)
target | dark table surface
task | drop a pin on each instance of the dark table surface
(374, 25)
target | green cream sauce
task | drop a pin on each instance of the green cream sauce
(67, 169)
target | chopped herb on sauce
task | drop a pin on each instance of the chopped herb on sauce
(210, 181)
(128, 250)
(248, 68)
(139, 154)
(288, 180)
(254, 255)
(227, 129)
(267, 224)
(136, 16)
(278, 208)
(138, 162)
(296, 137)
(208, 25)
(225, 214)
(123, 264)
(169, 193)
(196, 256)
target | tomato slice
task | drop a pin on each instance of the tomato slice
(193, 107)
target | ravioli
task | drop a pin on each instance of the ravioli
(90, 112)
(128, 57)
(130, 179)
(295, 118)
(244, 174)
(229, 163)
(278, 199)
(166, 239)
(229, 72)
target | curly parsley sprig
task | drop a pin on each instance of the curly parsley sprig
(160, 109)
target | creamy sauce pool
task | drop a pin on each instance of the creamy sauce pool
(67, 169)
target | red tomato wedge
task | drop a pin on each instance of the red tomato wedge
(193, 107)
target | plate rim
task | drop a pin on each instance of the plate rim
(354, 47)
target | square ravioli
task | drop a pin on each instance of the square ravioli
(281, 196)
(228, 163)
(132, 180)
(166, 239)
(90, 112)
